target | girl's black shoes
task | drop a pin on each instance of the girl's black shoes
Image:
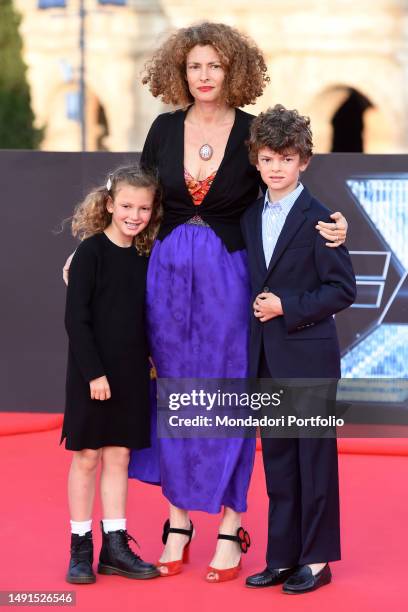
(80, 565)
(118, 558)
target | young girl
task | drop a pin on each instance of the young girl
(107, 390)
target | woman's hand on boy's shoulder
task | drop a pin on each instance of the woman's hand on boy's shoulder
(100, 389)
(336, 232)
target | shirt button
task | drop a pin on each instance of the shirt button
(265, 289)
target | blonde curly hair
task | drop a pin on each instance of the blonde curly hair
(92, 217)
(242, 60)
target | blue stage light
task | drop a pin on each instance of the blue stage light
(386, 203)
(384, 352)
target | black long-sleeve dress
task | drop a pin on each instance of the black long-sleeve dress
(104, 318)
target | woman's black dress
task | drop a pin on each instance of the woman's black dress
(104, 318)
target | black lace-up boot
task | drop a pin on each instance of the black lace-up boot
(118, 558)
(80, 565)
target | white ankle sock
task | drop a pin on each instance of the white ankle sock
(113, 524)
(81, 527)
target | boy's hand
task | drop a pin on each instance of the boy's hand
(100, 389)
(267, 306)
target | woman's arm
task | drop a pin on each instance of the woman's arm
(65, 269)
(148, 158)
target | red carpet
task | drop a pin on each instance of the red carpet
(13, 423)
(374, 446)
(35, 539)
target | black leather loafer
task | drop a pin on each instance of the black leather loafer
(303, 581)
(268, 578)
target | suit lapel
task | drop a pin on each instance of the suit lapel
(258, 235)
(294, 221)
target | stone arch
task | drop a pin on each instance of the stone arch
(62, 113)
(57, 137)
(348, 126)
(377, 134)
(97, 126)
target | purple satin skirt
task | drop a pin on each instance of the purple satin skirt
(198, 321)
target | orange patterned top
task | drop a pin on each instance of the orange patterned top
(198, 189)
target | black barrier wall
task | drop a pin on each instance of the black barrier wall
(38, 190)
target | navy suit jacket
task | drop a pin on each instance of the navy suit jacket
(312, 281)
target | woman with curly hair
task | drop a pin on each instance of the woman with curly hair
(198, 289)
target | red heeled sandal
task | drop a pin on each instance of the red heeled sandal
(175, 567)
(223, 575)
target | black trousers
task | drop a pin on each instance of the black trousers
(303, 489)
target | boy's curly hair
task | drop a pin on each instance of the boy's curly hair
(240, 57)
(280, 130)
(92, 217)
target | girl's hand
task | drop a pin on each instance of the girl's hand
(335, 232)
(100, 389)
(65, 269)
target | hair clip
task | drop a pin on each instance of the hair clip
(109, 184)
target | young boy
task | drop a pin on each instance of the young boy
(298, 284)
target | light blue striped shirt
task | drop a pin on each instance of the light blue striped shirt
(273, 219)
